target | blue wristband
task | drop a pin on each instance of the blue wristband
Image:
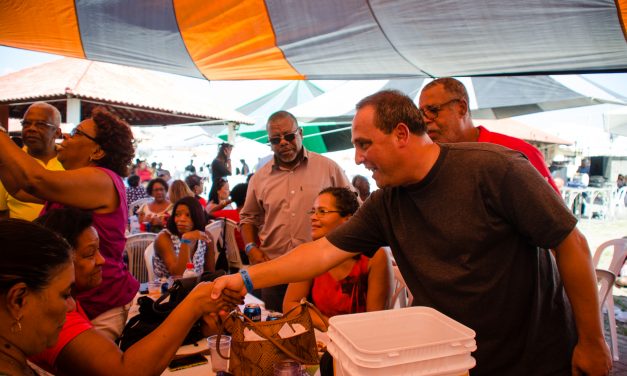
(247, 281)
(249, 247)
(186, 241)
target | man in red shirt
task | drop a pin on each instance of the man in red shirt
(444, 106)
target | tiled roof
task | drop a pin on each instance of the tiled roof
(114, 84)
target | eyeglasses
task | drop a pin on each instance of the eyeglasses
(287, 137)
(322, 212)
(431, 111)
(76, 131)
(40, 124)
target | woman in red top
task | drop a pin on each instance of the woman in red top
(358, 284)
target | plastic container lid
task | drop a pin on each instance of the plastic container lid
(382, 338)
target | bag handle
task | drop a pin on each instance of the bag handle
(305, 303)
(234, 315)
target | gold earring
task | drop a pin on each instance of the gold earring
(16, 327)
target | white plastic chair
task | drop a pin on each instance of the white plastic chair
(215, 229)
(618, 259)
(149, 253)
(137, 204)
(605, 280)
(135, 247)
(401, 297)
(232, 250)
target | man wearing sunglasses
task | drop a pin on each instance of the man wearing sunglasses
(446, 113)
(40, 127)
(279, 196)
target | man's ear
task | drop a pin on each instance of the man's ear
(463, 107)
(401, 133)
(58, 133)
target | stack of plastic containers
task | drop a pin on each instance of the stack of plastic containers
(408, 341)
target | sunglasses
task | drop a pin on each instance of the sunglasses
(76, 131)
(287, 137)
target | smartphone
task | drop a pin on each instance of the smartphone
(187, 361)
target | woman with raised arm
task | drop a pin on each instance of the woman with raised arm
(96, 155)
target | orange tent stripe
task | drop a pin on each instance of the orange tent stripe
(224, 49)
(45, 26)
(621, 6)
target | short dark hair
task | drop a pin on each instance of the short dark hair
(133, 181)
(116, 140)
(154, 181)
(391, 108)
(282, 115)
(31, 254)
(192, 181)
(67, 222)
(238, 194)
(196, 213)
(452, 86)
(345, 199)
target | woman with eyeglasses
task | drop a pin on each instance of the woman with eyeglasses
(96, 155)
(356, 285)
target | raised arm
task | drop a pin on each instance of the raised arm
(84, 188)
(380, 279)
(165, 249)
(90, 353)
(591, 355)
(304, 262)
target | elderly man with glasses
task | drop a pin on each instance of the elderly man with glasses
(444, 107)
(40, 127)
(280, 194)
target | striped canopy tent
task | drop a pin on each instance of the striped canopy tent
(327, 39)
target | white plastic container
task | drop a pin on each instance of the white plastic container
(408, 341)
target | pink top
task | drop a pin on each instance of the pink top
(118, 286)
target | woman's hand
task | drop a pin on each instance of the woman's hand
(196, 235)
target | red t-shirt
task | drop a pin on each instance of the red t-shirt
(531, 152)
(76, 322)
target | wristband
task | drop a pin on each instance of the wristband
(186, 241)
(249, 247)
(247, 281)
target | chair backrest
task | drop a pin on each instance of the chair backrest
(618, 258)
(133, 206)
(232, 250)
(149, 253)
(215, 229)
(401, 297)
(135, 247)
(605, 281)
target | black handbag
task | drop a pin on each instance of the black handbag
(153, 313)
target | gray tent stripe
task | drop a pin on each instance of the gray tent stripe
(138, 33)
(334, 36)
